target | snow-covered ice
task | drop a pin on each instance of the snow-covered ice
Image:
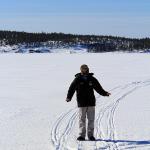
(35, 116)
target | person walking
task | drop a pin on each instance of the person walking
(84, 84)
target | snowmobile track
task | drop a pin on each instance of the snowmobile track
(60, 134)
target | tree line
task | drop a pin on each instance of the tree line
(94, 43)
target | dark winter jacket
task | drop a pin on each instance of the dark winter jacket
(84, 87)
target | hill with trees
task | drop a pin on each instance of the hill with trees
(19, 41)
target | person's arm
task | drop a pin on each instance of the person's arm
(71, 90)
(98, 88)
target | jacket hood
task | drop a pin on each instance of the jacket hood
(79, 74)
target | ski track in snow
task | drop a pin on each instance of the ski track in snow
(61, 134)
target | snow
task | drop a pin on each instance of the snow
(8, 48)
(35, 116)
(23, 48)
(69, 50)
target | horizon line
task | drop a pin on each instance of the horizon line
(40, 32)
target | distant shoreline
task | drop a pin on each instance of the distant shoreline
(45, 42)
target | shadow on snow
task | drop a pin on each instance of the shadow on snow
(130, 142)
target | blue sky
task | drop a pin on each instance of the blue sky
(130, 18)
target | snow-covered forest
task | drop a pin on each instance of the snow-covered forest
(22, 42)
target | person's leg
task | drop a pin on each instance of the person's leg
(82, 121)
(91, 118)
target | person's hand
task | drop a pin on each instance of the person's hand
(68, 99)
(108, 94)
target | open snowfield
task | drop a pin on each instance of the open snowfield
(35, 116)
